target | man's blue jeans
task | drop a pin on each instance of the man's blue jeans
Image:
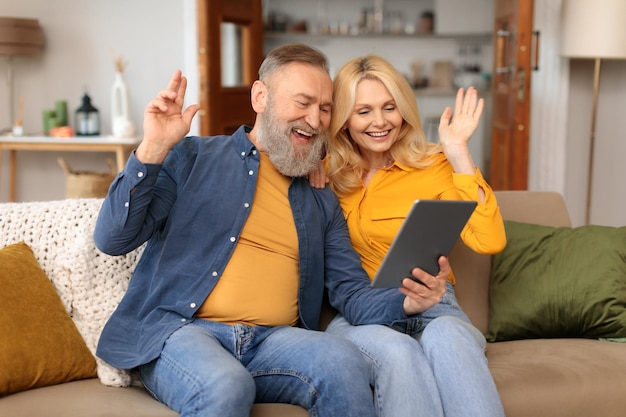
(433, 365)
(215, 369)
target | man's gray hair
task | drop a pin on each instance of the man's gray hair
(291, 52)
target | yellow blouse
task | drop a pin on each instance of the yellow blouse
(374, 213)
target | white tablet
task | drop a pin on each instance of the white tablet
(430, 230)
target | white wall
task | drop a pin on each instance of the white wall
(82, 40)
(561, 127)
(609, 171)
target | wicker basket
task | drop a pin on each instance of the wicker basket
(82, 184)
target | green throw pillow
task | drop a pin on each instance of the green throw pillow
(559, 282)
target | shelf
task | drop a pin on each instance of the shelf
(473, 37)
(435, 92)
(445, 92)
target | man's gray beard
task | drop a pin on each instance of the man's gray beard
(289, 160)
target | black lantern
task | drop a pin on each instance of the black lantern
(87, 119)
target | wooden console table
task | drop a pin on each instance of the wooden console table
(121, 148)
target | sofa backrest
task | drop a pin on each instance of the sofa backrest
(472, 270)
(91, 284)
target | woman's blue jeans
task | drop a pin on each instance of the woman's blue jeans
(433, 365)
(215, 369)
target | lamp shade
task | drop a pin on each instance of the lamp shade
(593, 29)
(20, 36)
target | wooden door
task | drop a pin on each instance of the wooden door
(514, 53)
(225, 106)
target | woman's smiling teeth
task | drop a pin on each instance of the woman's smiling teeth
(378, 134)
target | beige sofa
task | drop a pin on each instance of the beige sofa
(540, 377)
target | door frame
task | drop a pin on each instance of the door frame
(512, 74)
(224, 108)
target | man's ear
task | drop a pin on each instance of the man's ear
(258, 96)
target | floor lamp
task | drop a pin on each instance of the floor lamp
(593, 30)
(18, 37)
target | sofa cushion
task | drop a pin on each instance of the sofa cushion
(40, 343)
(90, 398)
(559, 282)
(559, 377)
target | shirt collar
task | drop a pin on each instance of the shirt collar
(243, 144)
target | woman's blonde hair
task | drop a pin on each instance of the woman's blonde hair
(344, 164)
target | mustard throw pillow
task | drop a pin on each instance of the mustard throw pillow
(39, 343)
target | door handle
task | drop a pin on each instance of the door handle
(502, 38)
(521, 84)
(535, 58)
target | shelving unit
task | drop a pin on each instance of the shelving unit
(460, 25)
(459, 37)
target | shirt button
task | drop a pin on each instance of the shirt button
(254, 152)
(192, 305)
(214, 273)
(183, 320)
(232, 238)
(246, 205)
(140, 174)
(126, 204)
(243, 154)
(251, 172)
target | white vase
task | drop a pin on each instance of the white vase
(122, 126)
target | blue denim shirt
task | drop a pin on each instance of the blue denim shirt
(191, 211)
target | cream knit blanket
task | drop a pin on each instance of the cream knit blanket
(90, 283)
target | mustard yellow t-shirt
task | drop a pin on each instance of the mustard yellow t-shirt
(260, 283)
(374, 213)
